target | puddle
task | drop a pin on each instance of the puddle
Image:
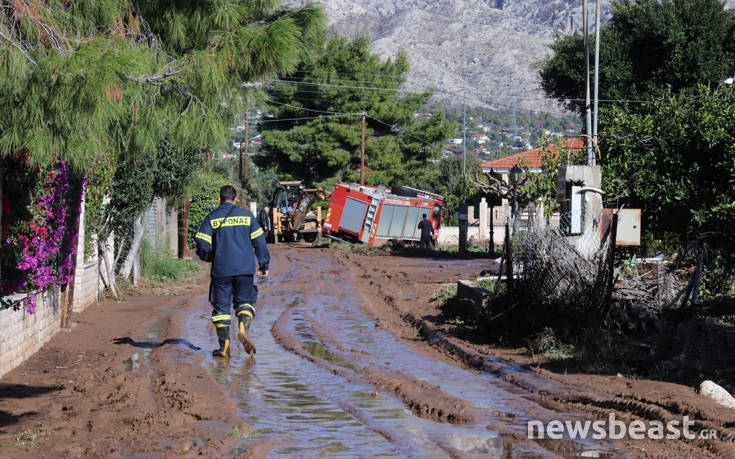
(132, 363)
(285, 397)
(318, 350)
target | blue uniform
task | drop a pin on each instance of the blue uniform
(232, 243)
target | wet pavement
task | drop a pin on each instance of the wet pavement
(328, 404)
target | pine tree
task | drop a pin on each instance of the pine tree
(347, 77)
(79, 79)
(96, 82)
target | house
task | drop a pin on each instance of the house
(480, 138)
(455, 141)
(530, 158)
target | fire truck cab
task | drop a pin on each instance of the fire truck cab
(377, 215)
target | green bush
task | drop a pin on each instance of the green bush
(157, 265)
(204, 193)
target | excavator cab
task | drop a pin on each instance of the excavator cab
(292, 216)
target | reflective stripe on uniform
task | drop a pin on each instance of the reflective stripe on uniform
(256, 233)
(246, 308)
(204, 237)
(231, 221)
(220, 318)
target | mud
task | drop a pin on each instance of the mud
(112, 387)
(353, 360)
(593, 396)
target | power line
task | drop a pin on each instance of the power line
(342, 80)
(392, 126)
(295, 119)
(375, 88)
(313, 110)
(401, 130)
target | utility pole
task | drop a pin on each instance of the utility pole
(597, 74)
(464, 144)
(244, 167)
(588, 108)
(463, 205)
(362, 153)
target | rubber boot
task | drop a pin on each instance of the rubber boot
(223, 336)
(242, 335)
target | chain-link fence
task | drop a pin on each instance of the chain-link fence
(558, 269)
(568, 272)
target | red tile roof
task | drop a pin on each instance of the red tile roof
(532, 158)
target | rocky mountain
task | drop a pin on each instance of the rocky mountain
(481, 50)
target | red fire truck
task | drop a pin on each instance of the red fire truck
(376, 215)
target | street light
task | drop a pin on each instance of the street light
(515, 177)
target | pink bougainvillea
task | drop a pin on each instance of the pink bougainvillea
(47, 244)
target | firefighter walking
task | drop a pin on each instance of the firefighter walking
(231, 239)
(427, 232)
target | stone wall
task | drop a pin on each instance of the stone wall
(22, 334)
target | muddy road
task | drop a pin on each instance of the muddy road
(352, 361)
(332, 378)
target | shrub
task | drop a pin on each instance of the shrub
(204, 192)
(157, 265)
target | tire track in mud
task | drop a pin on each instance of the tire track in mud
(326, 295)
(423, 399)
(562, 396)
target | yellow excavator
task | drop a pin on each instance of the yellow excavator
(293, 219)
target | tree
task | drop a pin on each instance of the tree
(445, 178)
(346, 77)
(647, 47)
(108, 82)
(676, 160)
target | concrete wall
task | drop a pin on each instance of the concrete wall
(86, 277)
(449, 236)
(22, 334)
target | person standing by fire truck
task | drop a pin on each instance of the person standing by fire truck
(427, 232)
(227, 238)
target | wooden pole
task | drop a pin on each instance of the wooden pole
(183, 228)
(611, 268)
(362, 154)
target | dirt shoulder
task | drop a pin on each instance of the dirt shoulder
(113, 387)
(399, 292)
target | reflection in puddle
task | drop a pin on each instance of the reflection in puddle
(318, 350)
(132, 363)
(316, 412)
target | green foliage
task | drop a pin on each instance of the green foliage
(647, 47)
(166, 173)
(329, 146)
(445, 293)
(676, 160)
(158, 265)
(543, 186)
(204, 193)
(445, 177)
(128, 91)
(547, 344)
(99, 177)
